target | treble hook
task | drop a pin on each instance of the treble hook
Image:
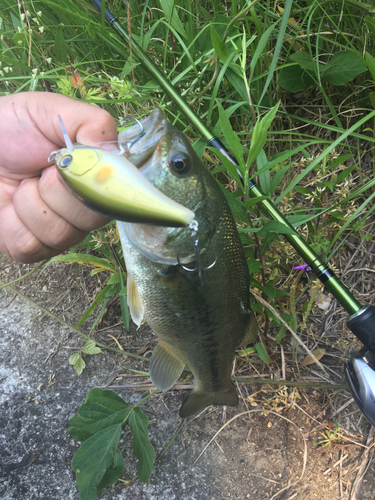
(195, 239)
(137, 137)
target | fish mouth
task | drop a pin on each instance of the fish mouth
(139, 141)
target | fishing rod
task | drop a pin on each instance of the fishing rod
(360, 370)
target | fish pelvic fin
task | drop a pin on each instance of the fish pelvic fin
(198, 400)
(165, 367)
(135, 303)
(251, 333)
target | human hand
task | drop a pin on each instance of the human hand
(39, 217)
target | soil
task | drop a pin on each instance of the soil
(255, 450)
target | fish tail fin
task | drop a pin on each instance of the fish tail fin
(198, 400)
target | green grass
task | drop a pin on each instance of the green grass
(316, 59)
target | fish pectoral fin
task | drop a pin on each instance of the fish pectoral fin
(251, 333)
(165, 367)
(198, 400)
(135, 304)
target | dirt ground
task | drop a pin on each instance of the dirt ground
(261, 450)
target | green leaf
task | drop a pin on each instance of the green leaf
(83, 258)
(253, 265)
(90, 347)
(345, 173)
(270, 291)
(17, 24)
(237, 82)
(274, 226)
(142, 448)
(93, 459)
(232, 169)
(253, 201)
(262, 353)
(219, 45)
(124, 303)
(267, 241)
(370, 23)
(113, 280)
(297, 220)
(20, 40)
(305, 61)
(277, 178)
(102, 410)
(95, 304)
(79, 365)
(259, 136)
(295, 79)
(264, 40)
(231, 136)
(329, 184)
(60, 47)
(280, 335)
(115, 289)
(338, 161)
(114, 472)
(170, 12)
(264, 177)
(106, 398)
(303, 190)
(343, 68)
(74, 358)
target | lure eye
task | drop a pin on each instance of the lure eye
(66, 161)
(179, 164)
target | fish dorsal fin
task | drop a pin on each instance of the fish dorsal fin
(165, 367)
(251, 333)
(134, 301)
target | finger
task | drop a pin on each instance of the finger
(57, 196)
(30, 129)
(47, 226)
(84, 123)
(7, 189)
(18, 242)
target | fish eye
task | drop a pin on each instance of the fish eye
(179, 164)
(66, 161)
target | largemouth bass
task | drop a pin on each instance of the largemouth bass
(200, 312)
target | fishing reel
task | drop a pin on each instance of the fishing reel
(360, 369)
